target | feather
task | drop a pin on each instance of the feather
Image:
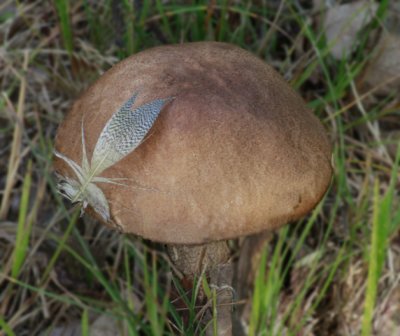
(97, 200)
(74, 166)
(85, 161)
(124, 132)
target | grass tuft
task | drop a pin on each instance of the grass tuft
(333, 273)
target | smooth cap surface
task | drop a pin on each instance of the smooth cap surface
(236, 152)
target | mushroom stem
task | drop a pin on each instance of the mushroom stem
(192, 260)
(214, 260)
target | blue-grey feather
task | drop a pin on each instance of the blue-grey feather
(124, 132)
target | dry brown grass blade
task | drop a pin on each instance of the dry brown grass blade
(361, 97)
(16, 144)
(373, 126)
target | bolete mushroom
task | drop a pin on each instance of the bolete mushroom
(192, 145)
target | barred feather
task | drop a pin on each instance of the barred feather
(124, 132)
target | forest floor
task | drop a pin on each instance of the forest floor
(336, 272)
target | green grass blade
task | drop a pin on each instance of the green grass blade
(223, 24)
(61, 245)
(374, 265)
(214, 312)
(130, 18)
(259, 288)
(62, 7)
(381, 229)
(23, 227)
(166, 25)
(85, 323)
(5, 327)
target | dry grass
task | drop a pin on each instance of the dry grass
(60, 273)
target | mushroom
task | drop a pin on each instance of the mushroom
(192, 145)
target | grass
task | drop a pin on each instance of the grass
(380, 235)
(63, 11)
(24, 226)
(336, 272)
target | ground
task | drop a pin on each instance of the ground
(336, 272)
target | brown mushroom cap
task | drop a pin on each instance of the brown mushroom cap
(236, 152)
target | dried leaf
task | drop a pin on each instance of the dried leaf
(104, 325)
(342, 24)
(70, 329)
(385, 67)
